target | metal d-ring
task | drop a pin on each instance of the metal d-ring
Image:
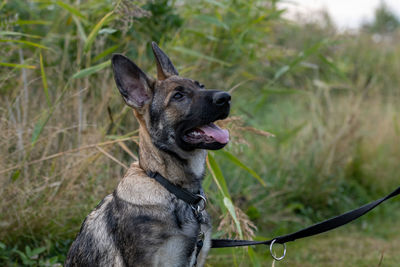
(200, 208)
(273, 255)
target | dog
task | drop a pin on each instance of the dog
(142, 223)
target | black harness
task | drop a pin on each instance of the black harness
(198, 203)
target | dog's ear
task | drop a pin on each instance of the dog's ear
(134, 85)
(165, 68)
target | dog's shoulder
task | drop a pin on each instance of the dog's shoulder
(139, 189)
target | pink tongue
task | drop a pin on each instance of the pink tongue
(218, 134)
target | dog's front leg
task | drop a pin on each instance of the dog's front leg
(177, 251)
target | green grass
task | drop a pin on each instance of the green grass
(366, 242)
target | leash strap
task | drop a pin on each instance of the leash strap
(315, 229)
(318, 228)
(179, 192)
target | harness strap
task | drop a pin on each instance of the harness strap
(194, 200)
(179, 192)
(315, 229)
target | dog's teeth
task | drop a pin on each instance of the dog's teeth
(195, 134)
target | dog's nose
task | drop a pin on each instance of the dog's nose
(221, 98)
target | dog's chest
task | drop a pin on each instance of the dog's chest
(197, 229)
(187, 220)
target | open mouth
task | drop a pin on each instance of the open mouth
(208, 133)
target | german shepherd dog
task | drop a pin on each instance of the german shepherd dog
(141, 223)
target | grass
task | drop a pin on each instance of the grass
(330, 99)
(334, 249)
(371, 241)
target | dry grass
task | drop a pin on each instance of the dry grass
(43, 184)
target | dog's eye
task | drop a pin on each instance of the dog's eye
(178, 96)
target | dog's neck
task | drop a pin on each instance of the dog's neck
(186, 172)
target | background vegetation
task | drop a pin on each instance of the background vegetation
(331, 100)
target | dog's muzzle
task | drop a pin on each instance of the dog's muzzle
(213, 105)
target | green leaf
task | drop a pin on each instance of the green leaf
(107, 31)
(28, 251)
(15, 175)
(281, 71)
(19, 34)
(231, 209)
(95, 30)
(3, 4)
(91, 70)
(24, 258)
(207, 182)
(53, 260)
(299, 58)
(237, 162)
(332, 66)
(44, 80)
(212, 20)
(218, 176)
(220, 181)
(200, 55)
(70, 9)
(32, 22)
(106, 52)
(37, 130)
(80, 29)
(23, 42)
(17, 65)
(37, 251)
(276, 14)
(315, 48)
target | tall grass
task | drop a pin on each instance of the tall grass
(330, 99)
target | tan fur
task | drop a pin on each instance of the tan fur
(136, 188)
(155, 160)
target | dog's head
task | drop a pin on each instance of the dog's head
(177, 112)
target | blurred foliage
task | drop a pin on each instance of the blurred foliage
(330, 98)
(163, 19)
(385, 20)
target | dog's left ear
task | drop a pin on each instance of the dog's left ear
(134, 85)
(165, 68)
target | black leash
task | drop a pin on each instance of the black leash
(318, 228)
(315, 229)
